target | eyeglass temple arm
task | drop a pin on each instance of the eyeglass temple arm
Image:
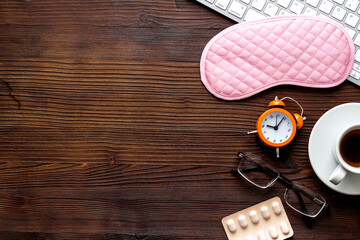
(235, 172)
(304, 210)
(301, 200)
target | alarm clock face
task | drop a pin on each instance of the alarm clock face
(276, 127)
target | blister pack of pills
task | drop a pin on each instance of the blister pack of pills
(264, 221)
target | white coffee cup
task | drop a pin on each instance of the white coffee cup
(343, 167)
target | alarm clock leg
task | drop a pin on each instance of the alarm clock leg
(252, 132)
(277, 152)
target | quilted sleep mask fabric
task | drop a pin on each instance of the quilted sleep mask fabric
(248, 58)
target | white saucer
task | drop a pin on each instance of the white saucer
(321, 146)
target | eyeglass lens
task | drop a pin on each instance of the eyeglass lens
(256, 170)
(304, 200)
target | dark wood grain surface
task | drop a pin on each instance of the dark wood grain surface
(108, 133)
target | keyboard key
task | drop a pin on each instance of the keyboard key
(339, 1)
(351, 32)
(284, 3)
(351, 19)
(356, 67)
(352, 4)
(297, 7)
(326, 6)
(355, 74)
(313, 3)
(324, 16)
(258, 4)
(284, 13)
(246, 1)
(237, 9)
(252, 15)
(271, 9)
(222, 4)
(357, 40)
(357, 55)
(210, 1)
(339, 13)
(310, 12)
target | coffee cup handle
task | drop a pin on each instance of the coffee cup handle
(338, 175)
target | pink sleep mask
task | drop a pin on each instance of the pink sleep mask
(248, 58)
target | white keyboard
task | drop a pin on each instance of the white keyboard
(345, 12)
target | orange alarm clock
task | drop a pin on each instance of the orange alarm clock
(277, 127)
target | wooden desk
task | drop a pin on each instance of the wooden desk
(108, 133)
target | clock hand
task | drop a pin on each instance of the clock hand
(271, 126)
(280, 122)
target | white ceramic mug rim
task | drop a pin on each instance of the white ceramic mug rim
(338, 156)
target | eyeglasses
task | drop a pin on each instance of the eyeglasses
(263, 175)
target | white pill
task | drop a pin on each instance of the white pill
(273, 233)
(284, 228)
(261, 235)
(242, 221)
(249, 237)
(265, 212)
(231, 225)
(254, 217)
(276, 208)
